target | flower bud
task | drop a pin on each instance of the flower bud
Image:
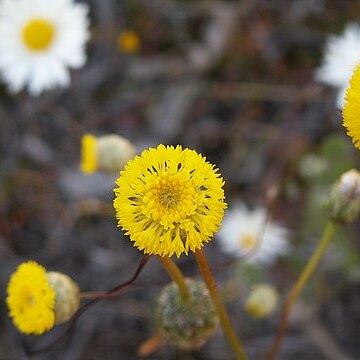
(67, 298)
(344, 200)
(189, 324)
(108, 153)
(128, 42)
(312, 166)
(262, 301)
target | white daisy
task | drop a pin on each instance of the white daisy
(251, 235)
(342, 55)
(39, 41)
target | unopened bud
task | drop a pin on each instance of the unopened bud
(344, 200)
(186, 324)
(108, 153)
(312, 166)
(128, 42)
(262, 301)
(67, 299)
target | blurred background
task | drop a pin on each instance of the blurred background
(233, 80)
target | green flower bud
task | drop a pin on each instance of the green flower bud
(262, 301)
(187, 325)
(344, 200)
(67, 299)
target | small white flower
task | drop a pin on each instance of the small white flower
(342, 55)
(251, 235)
(39, 41)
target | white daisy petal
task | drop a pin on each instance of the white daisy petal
(42, 61)
(251, 235)
(342, 55)
(340, 99)
(17, 76)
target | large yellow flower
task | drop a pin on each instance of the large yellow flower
(31, 299)
(169, 200)
(351, 112)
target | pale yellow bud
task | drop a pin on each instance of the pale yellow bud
(312, 166)
(344, 200)
(108, 153)
(67, 299)
(262, 301)
(114, 152)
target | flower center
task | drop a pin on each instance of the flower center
(38, 34)
(248, 242)
(26, 297)
(169, 199)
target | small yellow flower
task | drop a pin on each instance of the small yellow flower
(88, 154)
(351, 112)
(169, 200)
(128, 42)
(31, 299)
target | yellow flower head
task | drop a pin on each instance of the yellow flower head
(351, 112)
(31, 299)
(88, 163)
(128, 42)
(169, 200)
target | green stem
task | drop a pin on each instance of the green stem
(176, 274)
(309, 268)
(205, 271)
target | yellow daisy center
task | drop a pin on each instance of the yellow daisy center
(169, 199)
(128, 42)
(38, 34)
(248, 242)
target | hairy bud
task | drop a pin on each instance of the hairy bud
(187, 325)
(67, 299)
(344, 200)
